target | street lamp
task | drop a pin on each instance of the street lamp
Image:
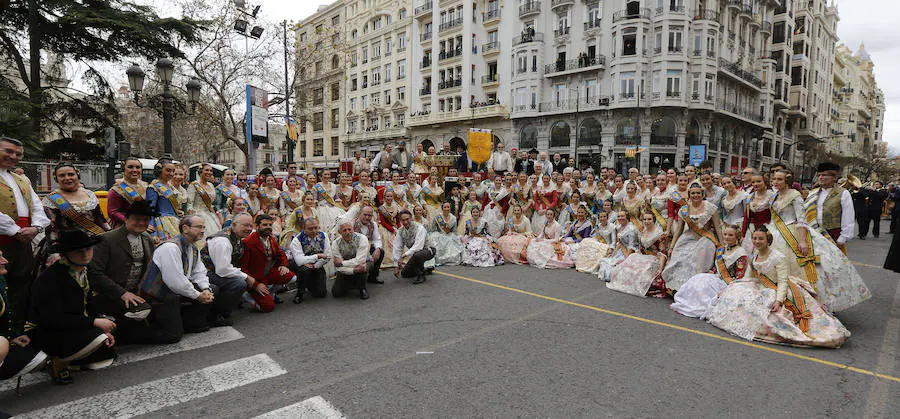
(165, 103)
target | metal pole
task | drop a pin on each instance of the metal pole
(167, 121)
(287, 97)
(577, 129)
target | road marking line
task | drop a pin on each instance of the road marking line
(315, 407)
(154, 395)
(135, 353)
(876, 402)
(676, 327)
(867, 265)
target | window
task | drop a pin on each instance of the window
(318, 67)
(335, 146)
(318, 147)
(627, 84)
(629, 42)
(335, 91)
(336, 20)
(401, 42)
(302, 147)
(695, 86)
(401, 69)
(401, 94)
(591, 90)
(387, 97)
(709, 87)
(376, 50)
(387, 73)
(318, 121)
(335, 118)
(656, 83)
(335, 62)
(318, 96)
(675, 39)
(353, 85)
(673, 83)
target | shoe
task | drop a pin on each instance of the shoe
(59, 372)
(21, 361)
(298, 298)
(89, 349)
(198, 329)
(875, 237)
(277, 299)
(363, 294)
(419, 279)
(375, 281)
(862, 238)
(97, 360)
(221, 321)
(138, 312)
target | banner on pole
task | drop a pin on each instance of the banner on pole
(480, 145)
(697, 154)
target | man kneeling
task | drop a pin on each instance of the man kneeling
(411, 249)
(310, 252)
(264, 260)
(350, 251)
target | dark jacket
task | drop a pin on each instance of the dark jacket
(58, 303)
(109, 269)
(876, 200)
(526, 166)
(462, 163)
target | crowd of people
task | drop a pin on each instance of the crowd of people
(755, 254)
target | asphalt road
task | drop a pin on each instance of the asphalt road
(497, 342)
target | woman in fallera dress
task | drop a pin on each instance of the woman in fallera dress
(545, 197)
(733, 203)
(597, 247)
(178, 186)
(164, 201)
(125, 191)
(442, 232)
(291, 199)
(200, 194)
(70, 207)
(433, 192)
(699, 293)
(812, 257)
(495, 208)
(480, 248)
(388, 225)
(659, 203)
(771, 306)
(627, 241)
(633, 204)
(270, 194)
(547, 241)
(695, 236)
(640, 274)
(329, 213)
(518, 235)
(465, 213)
(756, 210)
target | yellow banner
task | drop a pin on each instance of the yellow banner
(480, 144)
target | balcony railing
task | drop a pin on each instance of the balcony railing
(671, 9)
(580, 104)
(445, 55)
(642, 13)
(706, 14)
(569, 65)
(740, 72)
(526, 37)
(592, 24)
(766, 27)
(425, 91)
(490, 47)
(451, 24)
(560, 31)
(425, 36)
(449, 84)
(426, 62)
(741, 111)
(424, 8)
(558, 3)
(490, 15)
(529, 8)
(490, 78)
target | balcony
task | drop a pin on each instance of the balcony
(490, 16)
(446, 26)
(642, 13)
(673, 94)
(677, 10)
(530, 8)
(706, 14)
(742, 112)
(490, 79)
(423, 9)
(490, 111)
(737, 5)
(426, 62)
(765, 27)
(525, 38)
(425, 37)
(747, 11)
(739, 73)
(372, 134)
(563, 68)
(560, 32)
(446, 55)
(449, 84)
(594, 24)
(490, 48)
(568, 105)
(560, 3)
(425, 91)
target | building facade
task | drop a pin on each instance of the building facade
(858, 106)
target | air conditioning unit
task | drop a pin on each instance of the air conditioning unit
(604, 101)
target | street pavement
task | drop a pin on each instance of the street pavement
(509, 341)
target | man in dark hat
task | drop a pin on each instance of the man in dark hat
(60, 318)
(119, 264)
(401, 159)
(829, 208)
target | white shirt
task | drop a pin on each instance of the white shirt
(418, 244)
(546, 166)
(847, 213)
(374, 164)
(301, 258)
(376, 236)
(168, 258)
(362, 253)
(501, 161)
(8, 226)
(220, 250)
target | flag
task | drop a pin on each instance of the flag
(291, 129)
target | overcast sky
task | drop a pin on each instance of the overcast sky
(871, 21)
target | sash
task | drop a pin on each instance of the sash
(470, 231)
(290, 202)
(169, 195)
(442, 224)
(794, 302)
(558, 250)
(127, 192)
(224, 189)
(79, 218)
(684, 214)
(409, 195)
(387, 218)
(677, 199)
(660, 220)
(722, 268)
(812, 208)
(808, 263)
(321, 190)
(204, 195)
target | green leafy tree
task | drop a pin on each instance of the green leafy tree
(86, 31)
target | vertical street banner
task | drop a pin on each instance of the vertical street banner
(697, 154)
(480, 145)
(258, 114)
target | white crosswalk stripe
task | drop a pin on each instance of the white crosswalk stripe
(313, 408)
(137, 353)
(154, 395)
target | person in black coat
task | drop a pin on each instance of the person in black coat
(874, 206)
(859, 208)
(61, 323)
(17, 355)
(462, 161)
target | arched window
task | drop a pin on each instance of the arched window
(590, 132)
(457, 142)
(528, 138)
(559, 134)
(627, 132)
(426, 144)
(693, 134)
(496, 140)
(712, 138)
(335, 62)
(662, 131)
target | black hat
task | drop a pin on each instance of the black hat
(69, 240)
(827, 166)
(533, 151)
(141, 208)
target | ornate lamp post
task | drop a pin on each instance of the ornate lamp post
(165, 103)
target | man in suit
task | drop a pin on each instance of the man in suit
(877, 196)
(462, 162)
(21, 218)
(524, 164)
(559, 164)
(264, 260)
(860, 198)
(119, 264)
(402, 159)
